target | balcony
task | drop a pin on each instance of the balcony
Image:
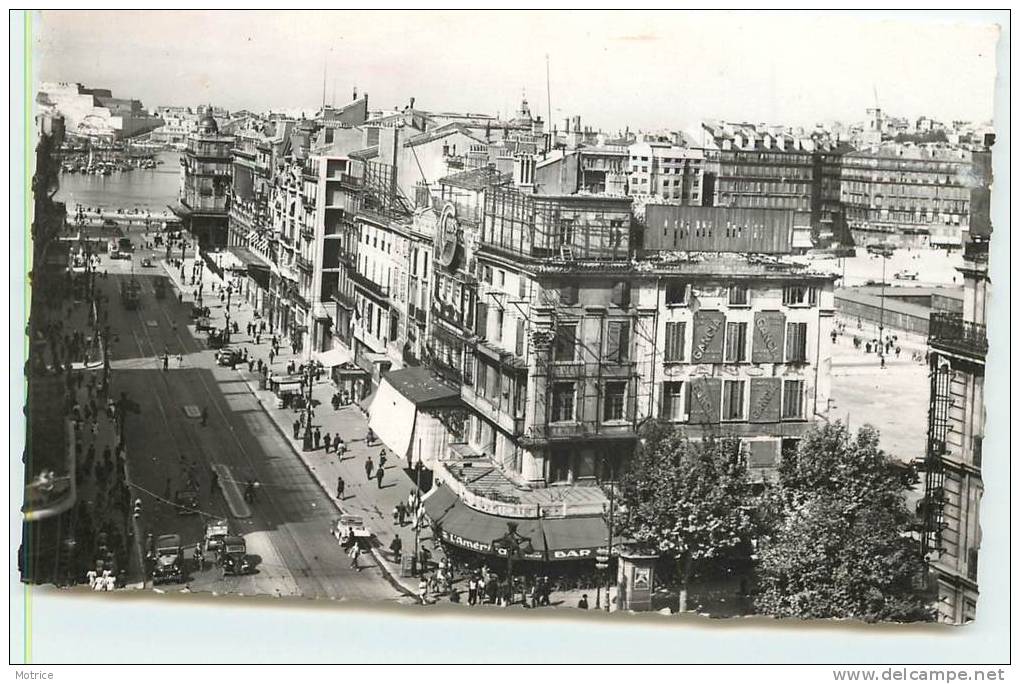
(952, 333)
(303, 263)
(346, 180)
(307, 232)
(382, 291)
(510, 424)
(563, 432)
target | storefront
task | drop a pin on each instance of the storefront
(351, 381)
(555, 546)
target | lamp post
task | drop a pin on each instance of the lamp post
(881, 313)
(309, 373)
(417, 505)
(516, 546)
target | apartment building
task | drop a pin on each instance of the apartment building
(662, 170)
(958, 345)
(909, 195)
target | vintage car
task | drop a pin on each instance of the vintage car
(228, 356)
(216, 340)
(146, 262)
(350, 528)
(233, 556)
(906, 275)
(167, 560)
(186, 501)
(215, 532)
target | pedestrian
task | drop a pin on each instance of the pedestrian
(326, 442)
(382, 459)
(166, 362)
(317, 438)
(214, 482)
(401, 513)
(369, 467)
(583, 603)
(297, 427)
(355, 555)
(340, 447)
(205, 415)
(898, 352)
(180, 360)
(379, 477)
(258, 338)
(199, 559)
(335, 400)
(340, 486)
(396, 546)
(472, 590)
(272, 354)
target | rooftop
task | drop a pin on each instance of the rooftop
(476, 179)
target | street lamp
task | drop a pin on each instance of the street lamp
(309, 372)
(516, 546)
(881, 312)
(417, 505)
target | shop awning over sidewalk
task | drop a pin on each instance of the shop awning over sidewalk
(334, 357)
(560, 539)
(393, 414)
(244, 258)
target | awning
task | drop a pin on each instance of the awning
(246, 258)
(561, 539)
(423, 389)
(575, 538)
(470, 529)
(334, 357)
(319, 312)
(391, 417)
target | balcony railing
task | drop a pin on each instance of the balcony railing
(303, 263)
(370, 285)
(951, 332)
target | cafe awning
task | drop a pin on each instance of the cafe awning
(334, 357)
(560, 539)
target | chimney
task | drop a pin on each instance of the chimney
(355, 95)
(412, 104)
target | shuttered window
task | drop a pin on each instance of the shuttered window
(481, 319)
(618, 341)
(566, 342)
(568, 295)
(563, 401)
(672, 401)
(793, 399)
(796, 342)
(621, 294)
(519, 345)
(613, 401)
(675, 333)
(733, 400)
(736, 342)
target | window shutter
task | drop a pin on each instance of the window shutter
(613, 341)
(767, 338)
(705, 400)
(481, 319)
(519, 349)
(765, 400)
(709, 332)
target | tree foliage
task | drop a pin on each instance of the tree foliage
(686, 499)
(841, 549)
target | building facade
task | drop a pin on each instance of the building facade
(958, 345)
(908, 195)
(206, 182)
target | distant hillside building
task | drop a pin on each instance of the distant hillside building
(95, 112)
(909, 195)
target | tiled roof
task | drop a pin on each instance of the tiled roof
(441, 132)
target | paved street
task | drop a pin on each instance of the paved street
(287, 527)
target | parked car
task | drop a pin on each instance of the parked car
(906, 275)
(348, 528)
(228, 356)
(167, 559)
(146, 262)
(233, 556)
(215, 532)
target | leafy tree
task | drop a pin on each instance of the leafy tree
(686, 499)
(841, 548)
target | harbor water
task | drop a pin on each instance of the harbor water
(149, 190)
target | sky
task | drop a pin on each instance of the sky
(645, 70)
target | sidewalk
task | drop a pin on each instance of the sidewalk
(361, 496)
